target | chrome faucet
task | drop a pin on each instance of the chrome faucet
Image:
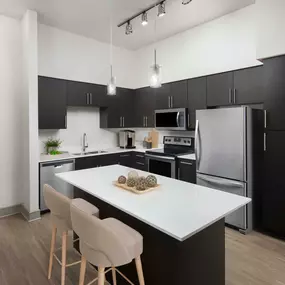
(84, 143)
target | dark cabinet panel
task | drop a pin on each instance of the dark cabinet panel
(125, 159)
(78, 93)
(274, 104)
(52, 103)
(162, 97)
(197, 98)
(220, 89)
(178, 93)
(249, 86)
(144, 102)
(87, 162)
(98, 96)
(187, 170)
(126, 104)
(138, 160)
(273, 209)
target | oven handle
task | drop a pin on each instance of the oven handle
(157, 157)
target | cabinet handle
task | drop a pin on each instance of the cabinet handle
(146, 121)
(188, 116)
(120, 121)
(230, 95)
(124, 155)
(91, 98)
(265, 146)
(123, 121)
(169, 102)
(140, 163)
(186, 163)
(141, 156)
(235, 93)
(87, 98)
(265, 119)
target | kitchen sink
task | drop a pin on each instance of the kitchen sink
(90, 152)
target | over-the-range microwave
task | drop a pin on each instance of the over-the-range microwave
(171, 119)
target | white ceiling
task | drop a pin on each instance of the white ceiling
(91, 18)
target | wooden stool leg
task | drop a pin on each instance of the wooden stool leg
(63, 255)
(52, 246)
(114, 276)
(101, 275)
(82, 270)
(140, 270)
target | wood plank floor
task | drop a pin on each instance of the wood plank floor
(254, 259)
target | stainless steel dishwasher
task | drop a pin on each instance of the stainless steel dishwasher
(48, 170)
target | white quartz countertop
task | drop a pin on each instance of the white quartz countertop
(176, 208)
(64, 156)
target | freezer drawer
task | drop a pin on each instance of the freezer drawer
(238, 218)
(47, 176)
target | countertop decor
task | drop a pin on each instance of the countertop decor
(52, 145)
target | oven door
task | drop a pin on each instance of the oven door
(171, 119)
(161, 165)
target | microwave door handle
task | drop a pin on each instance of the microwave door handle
(177, 119)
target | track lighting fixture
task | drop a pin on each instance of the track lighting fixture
(185, 2)
(129, 28)
(144, 19)
(161, 9)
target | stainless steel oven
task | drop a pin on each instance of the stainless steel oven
(161, 165)
(171, 119)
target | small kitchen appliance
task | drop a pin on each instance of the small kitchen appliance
(127, 139)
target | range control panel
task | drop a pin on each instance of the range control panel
(182, 141)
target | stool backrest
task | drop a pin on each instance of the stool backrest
(98, 236)
(58, 204)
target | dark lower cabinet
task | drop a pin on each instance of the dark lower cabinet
(138, 160)
(274, 103)
(87, 162)
(187, 170)
(125, 159)
(273, 203)
(52, 103)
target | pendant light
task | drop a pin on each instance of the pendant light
(155, 69)
(111, 86)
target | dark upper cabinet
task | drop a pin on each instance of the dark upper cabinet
(172, 95)
(52, 103)
(249, 86)
(78, 93)
(197, 98)
(274, 103)
(144, 104)
(98, 96)
(162, 96)
(220, 89)
(178, 94)
(273, 206)
(187, 170)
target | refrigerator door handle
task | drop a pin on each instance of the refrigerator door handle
(218, 181)
(196, 143)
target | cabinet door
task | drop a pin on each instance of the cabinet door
(109, 159)
(87, 162)
(220, 89)
(178, 93)
(162, 97)
(126, 105)
(78, 93)
(187, 171)
(99, 97)
(113, 113)
(249, 86)
(52, 103)
(274, 103)
(125, 159)
(138, 161)
(273, 206)
(197, 98)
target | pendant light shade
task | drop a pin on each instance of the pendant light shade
(155, 74)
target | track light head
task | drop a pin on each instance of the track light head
(185, 2)
(129, 28)
(144, 19)
(161, 9)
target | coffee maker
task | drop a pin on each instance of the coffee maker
(127, 139)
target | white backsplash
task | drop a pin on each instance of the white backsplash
(87, 120)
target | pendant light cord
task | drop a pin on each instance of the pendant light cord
(155, 41)
(111, 38)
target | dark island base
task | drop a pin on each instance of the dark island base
(199, 260)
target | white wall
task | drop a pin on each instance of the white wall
(270, 28)
(79, 121)
(221, 45)
(29, 101)
(10, 112)
(69, 56)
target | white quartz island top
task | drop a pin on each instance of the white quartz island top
(177, 208)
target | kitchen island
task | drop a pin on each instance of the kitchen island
(182, 224)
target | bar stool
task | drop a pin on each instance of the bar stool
(106, 243)
(59, 206)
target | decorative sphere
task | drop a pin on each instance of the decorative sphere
(151, 181)
(122, 179)
(141, 184)
(133, 174)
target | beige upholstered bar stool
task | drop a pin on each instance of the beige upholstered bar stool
(106, 243)
(59, 206)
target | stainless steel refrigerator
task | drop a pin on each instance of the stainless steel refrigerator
(229, 156)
